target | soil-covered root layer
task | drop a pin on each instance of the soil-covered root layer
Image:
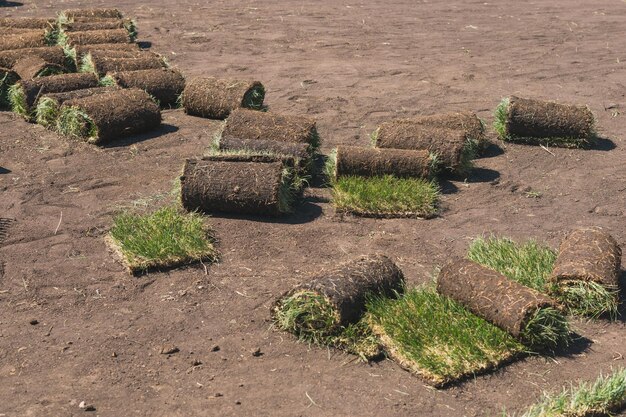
(250, 124)
(161, 240)
(33, 66)
(25, 93)
(258, 185)
(538, 122)
(7, 78)
(528, 315)
(49, 105)
(371, 162)
(454, 149)
(587, 268)
(90, 37)
(299, 152)
(51, 54)
(27, 22)
(164, 84)
(100, 63)
(102, 118)
(328, 307)
(70, 15)
(603, 397)
(33, 39)
(385, 196)
(80, 51)
(102, 24)
(216, 98)
(436, 338)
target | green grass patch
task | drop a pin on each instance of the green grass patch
(547, 329)
(17, 98)
(47, 112)
(603, 397)
(253, 98)
(74, 122)
(313, 319)
(163, 239)
(7, 80)
(86, 64)
(437, 338)
(531, 264)
(386, 196)
(500, 115)
(107, 81)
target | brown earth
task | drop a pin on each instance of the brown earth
(351, 65)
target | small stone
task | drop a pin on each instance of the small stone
(169, 349)
(215, 348)
(218, 394)
(86, 407)
(114, 354)
(238, 402)
(257, 352)
(196, 362)
(34, 322)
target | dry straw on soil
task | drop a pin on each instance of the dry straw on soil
(216, 98)
(102, 118)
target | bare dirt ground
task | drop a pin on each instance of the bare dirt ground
(351, 65)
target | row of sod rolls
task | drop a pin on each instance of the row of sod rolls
(582, 276)
(363, 307)
(544, 122)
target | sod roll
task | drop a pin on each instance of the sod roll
(239, 185)
(33, 66)
(90, 37)
(466, 121)
(82, 50)
(450, 145)
(23, 40)
(99, 24)
(27, 22)
(7, 78)
(26, 92)
(588, 254)
(492, 296)
(346, 288)
(49, 105)
(371, 162)
(102, 118)
(251, 124)
(101, 65)
(299, 151)
(216, 98)
(97, 13)
(51, 54)
(543, 119)
(163, 84)
(6, 31)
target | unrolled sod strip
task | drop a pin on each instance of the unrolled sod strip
(49, 105)
(33, 66)
(336, 298)
(102, 65)
(23, 40)
(244, 185)
(526, 314)
(51, 54)
(453, 148)
(164, 84)
(105, 117)
(527, 120)
(90, 37)
(251, 124)
(27, 22)
(216, 98)
(587, 268)
(370, 162)
(24, 94)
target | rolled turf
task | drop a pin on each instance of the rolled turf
(34, 39)
(100, 64)
(51, 54)
(537, 121)
(27, 22)
(49, 105)
(24, 94)
(436, 338)
(251, 124)
(370, 162)
(216, 98)
(164, 84)
(244, 185)
(454, 149)
(90, 37)
(587, 268)
(298, 151)
(94, 13)
(526, 314)
(321, 309)
(7, 78)
(102, 24)
(102, 118)
(33, 66)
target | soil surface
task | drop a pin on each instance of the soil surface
(99, 332)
